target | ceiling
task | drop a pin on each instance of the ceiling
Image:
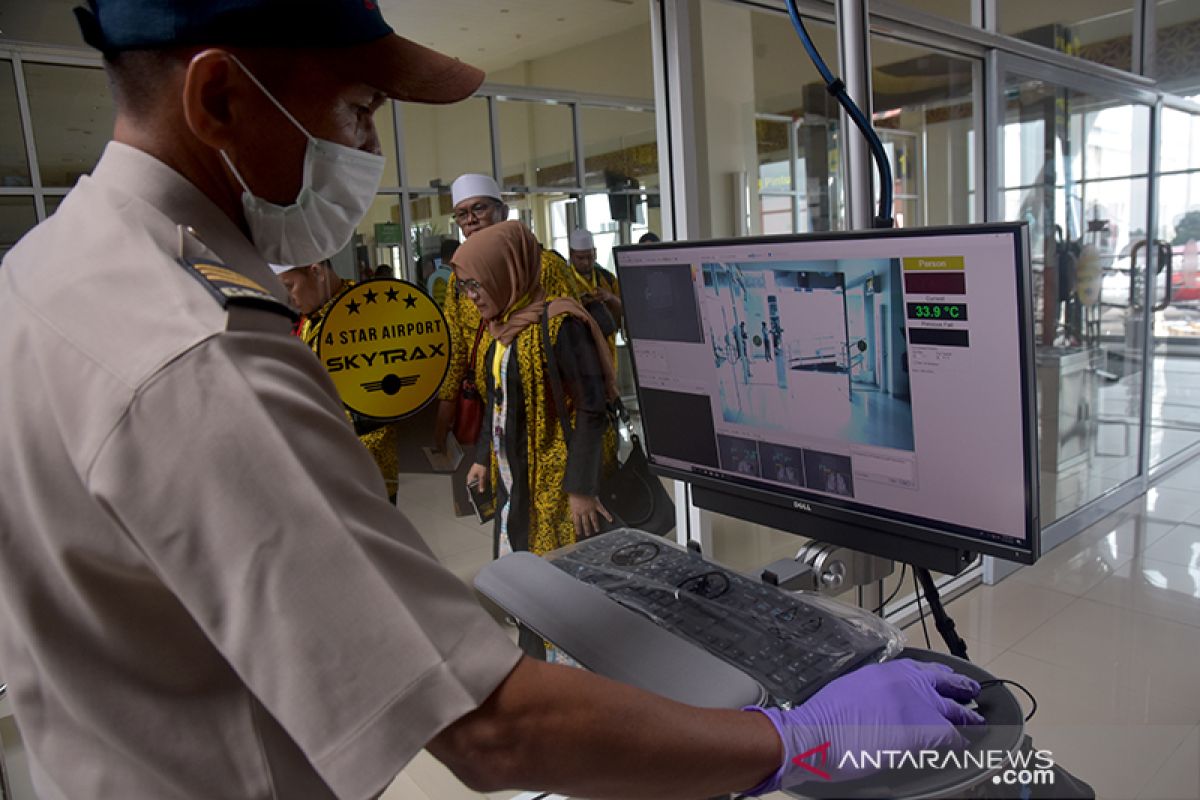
(500, 33)
(492, 34)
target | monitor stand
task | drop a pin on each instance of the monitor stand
(823, 567)
(941, 619)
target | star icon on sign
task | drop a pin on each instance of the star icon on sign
(353, 306)
(392, 294)
(370, 295)
(410, 302)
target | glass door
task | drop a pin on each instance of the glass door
(1074, 162)
(1175, 305)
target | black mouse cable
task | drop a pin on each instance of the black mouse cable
(921, 611)
(896, 591)
(1029, 694)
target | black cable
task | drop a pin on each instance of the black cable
(836, 88)
(921, 611)
(896, 591)
(1029, 694)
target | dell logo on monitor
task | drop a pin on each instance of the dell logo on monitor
(796, 504)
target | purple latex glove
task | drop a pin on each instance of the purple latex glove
(901, 705)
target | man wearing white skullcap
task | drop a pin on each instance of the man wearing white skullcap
(477, 202)
(592, 282)
(478, 205)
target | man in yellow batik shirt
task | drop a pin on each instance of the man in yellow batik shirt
(313, 290)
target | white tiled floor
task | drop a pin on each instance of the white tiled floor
(1105, 631)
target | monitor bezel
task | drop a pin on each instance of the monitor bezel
(806, 505)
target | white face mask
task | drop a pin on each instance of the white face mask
(338, 188)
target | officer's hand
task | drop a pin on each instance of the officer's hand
(441, 427)
(476, 476)
(586, 512)
(902, 705)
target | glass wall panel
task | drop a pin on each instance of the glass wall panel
(379, 243)
(925, 116)
(1175, 380)
(537, 144)
(14, 163)
(1075, 167)
(17, 216)
(620, 149)
(1175, 66)
(793, 157)
(1096, 30)
(957, 10)
(780, 169)
(443, 142)
(72, 117)
(386, 128)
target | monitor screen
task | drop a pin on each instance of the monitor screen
(880, 379)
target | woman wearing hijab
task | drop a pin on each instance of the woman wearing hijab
(545, 487)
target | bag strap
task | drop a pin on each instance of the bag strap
(475, 347)
(469, 377)
(556, 385)
(617, 413)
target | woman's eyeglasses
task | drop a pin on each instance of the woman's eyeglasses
(478, 210)
(469, 287)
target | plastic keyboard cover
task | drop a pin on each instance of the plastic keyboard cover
(792, 643)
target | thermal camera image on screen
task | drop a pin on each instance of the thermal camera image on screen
(813, 346)
(846, 377)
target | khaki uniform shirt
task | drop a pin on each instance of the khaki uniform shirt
(382, 443)
(203, 590)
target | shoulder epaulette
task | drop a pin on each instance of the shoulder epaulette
(232, 288)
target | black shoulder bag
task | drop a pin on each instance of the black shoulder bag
(633, 495)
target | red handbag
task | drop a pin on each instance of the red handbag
(468, 411)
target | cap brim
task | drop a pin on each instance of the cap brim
(405, 70)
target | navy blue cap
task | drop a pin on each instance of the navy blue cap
(396, 66)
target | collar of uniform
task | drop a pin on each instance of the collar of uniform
(139, 174)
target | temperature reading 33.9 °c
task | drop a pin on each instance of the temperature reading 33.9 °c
(951, 312)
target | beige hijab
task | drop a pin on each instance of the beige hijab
(506, 260)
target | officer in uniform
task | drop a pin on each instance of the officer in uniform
(204, 592)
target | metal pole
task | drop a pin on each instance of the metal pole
(1150, 293)
(854, 62)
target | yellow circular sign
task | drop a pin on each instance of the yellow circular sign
(386, 345)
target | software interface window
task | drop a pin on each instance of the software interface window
(866, 370)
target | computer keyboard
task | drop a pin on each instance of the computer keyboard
(787, 643)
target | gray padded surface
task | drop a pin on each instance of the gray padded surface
(608, 638)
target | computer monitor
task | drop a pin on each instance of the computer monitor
(872, 389)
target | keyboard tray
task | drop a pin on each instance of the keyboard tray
(792, 644)
(610, 640)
